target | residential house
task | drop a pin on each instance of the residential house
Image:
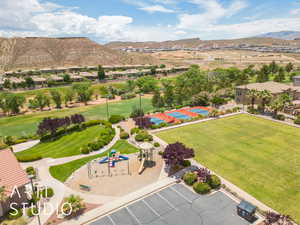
(12, 176)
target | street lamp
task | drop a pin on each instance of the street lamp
(31, 177)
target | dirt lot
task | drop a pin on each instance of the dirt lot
(226, 58)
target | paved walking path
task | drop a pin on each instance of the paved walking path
(59, 188)
(25, 145)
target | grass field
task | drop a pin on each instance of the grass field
(64, 171)
(65, 146)
(260, 156)
(27, 124)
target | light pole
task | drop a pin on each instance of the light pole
(33, 191)
(107, 113)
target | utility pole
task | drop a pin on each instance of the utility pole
(33, 191)
(107, 113)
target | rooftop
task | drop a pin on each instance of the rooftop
(273, 87)
(11, 173)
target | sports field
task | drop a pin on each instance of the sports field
(260, 156)
(27, 124)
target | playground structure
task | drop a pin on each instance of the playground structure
(146, 156)
(113, 157)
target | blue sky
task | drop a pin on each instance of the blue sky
(147, 20)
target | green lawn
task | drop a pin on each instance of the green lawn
(63, 171)
(27, 124)
(260, 156)
(65, 146)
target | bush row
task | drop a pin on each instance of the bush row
(104, 138)
(191, 179)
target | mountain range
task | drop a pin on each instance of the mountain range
(285, 35)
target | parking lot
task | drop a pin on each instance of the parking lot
(177, 205)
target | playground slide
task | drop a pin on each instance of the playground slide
(141, 169)
(104, 160)
(123, 157)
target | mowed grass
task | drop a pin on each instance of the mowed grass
(260, 156)
(27, 124)
(64, 171)
(68, 145)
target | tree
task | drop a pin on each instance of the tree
(74, 206)
(175, 154)
(12, 103)
(146, 84)
(153, 70)
(83, 91)
(66, 78)
(263, 74)
(137, 112)
(3, 196)
(7, 84)
(280, 76)
(101, 73)
(130, 85)
(143, 122)
(41, 101)
(157, 100)
(69, 96)
(273, 67)
(280, 103)
(289, 67)
(57, 98)
(252, 94)
(265, 97)
(201, 99)
(29, 82)
(168, 91)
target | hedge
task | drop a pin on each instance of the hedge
(29, 158)
(47, 193)
(32, 211)
(116, 119)
(214, 182)
(12, 214)
(124, 135)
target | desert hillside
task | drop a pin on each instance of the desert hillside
(196, 42)
(35, 53)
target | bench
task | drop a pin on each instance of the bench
(85, 187)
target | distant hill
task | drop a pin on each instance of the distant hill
(37, 52)
(196, 42)
(285, 35)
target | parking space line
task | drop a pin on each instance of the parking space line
(181, 195)
(111, 220)
(166, 200)
(149, 206)
(134, 217)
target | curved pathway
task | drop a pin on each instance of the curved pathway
(59, 188)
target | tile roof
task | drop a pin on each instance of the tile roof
(11, 173)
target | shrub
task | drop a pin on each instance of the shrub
(12, 214)
(124, 135)
(32, 211)
(91, 123)
(201, 188)
(47, 193)
(116, 119)
(190, 178)
(186, 163)
(156, 145)
(214, 182)
(279, 117)
(143, 136)
(135, 130)
(30, 171)
(29, 158)
(128, 96)
(297, 121)
(85, 150)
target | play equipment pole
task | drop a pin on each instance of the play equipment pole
(128, 167)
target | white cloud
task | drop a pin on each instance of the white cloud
(213, 11)
(156, 8)
(295, 11)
